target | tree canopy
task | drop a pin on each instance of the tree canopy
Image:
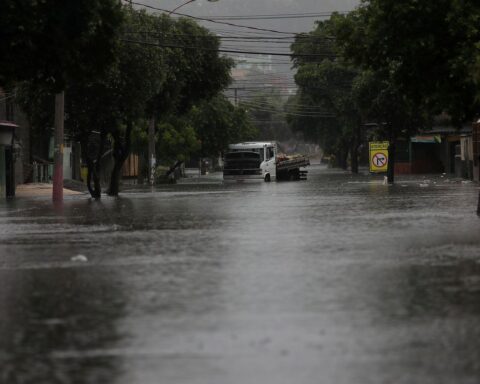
(428, 49)
(154, 72)
(50, 42)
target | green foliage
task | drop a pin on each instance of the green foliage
(324, 131)
(192, 74)
(266, 111)
(218, 123)
(427, 50)
(328, 88)
(350, 93)
(140, 137)
(176, 141)
(148, 75)
(51, 42)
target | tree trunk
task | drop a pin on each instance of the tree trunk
(341, 159)
(354, 158)
(344, 157)
(114, 187)
(57, 190)
(142, 169)
(98, 165)
(94, 165)
(120, 154)
(93, 173)
(89, 176)
(355, 145)
(151, 151)
(77, 149)
(478, 206)
(391, 158)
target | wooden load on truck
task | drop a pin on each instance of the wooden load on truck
(290, 167)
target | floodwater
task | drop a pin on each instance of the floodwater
(337, 279)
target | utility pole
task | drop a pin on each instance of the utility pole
(235, 94)
(151, 151)
(57, 191)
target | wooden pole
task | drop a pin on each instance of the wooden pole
(57, 192)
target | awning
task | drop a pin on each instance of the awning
(430, 139)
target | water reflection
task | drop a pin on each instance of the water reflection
(339, 278)
(47, 313)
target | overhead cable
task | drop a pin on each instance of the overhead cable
(210, 20)
(225, 50)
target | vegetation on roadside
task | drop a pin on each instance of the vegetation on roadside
(148, 69)
(393, 65)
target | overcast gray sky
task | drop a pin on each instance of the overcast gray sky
(254, 8)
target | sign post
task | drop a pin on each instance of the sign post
(378, 156)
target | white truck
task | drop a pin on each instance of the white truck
(261, 161)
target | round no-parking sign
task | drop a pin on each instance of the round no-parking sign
(379, 160)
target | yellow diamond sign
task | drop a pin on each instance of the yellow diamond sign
(378, 156)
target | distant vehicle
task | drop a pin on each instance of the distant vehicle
(261, 161)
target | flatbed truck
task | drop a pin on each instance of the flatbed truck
(261, 161)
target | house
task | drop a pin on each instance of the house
(443, 149)
(15, 155)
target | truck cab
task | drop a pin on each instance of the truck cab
(251, 161)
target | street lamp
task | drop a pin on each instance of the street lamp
(7, 129)
(188, 2)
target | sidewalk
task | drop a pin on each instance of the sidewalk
(40, 189)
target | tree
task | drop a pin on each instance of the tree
(428, 47)
(151, 75)
(219, 123)
(50, 42)
(83, 35)
(424, 51)
(195, 73)
(328, 84)
(176, 140)
(266, 111)
(194, 69)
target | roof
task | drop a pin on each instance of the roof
(448, 130)
(6, 123)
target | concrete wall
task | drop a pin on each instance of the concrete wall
(476, 151)
(466, 145)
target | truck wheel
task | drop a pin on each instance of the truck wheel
(267, 178)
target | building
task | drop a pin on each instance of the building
(439, 150)
(15, 157)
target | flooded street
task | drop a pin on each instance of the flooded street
(335, 280)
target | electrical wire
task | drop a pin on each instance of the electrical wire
(210, 20)
(225, 50)
(276, 16)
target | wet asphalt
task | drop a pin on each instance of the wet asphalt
(337, 280)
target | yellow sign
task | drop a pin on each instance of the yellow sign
(378, 156)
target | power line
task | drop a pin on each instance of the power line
(298, 109)
(210, 20)
(249, 39)
(276, 16)
(299, 112)
(224, 50)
